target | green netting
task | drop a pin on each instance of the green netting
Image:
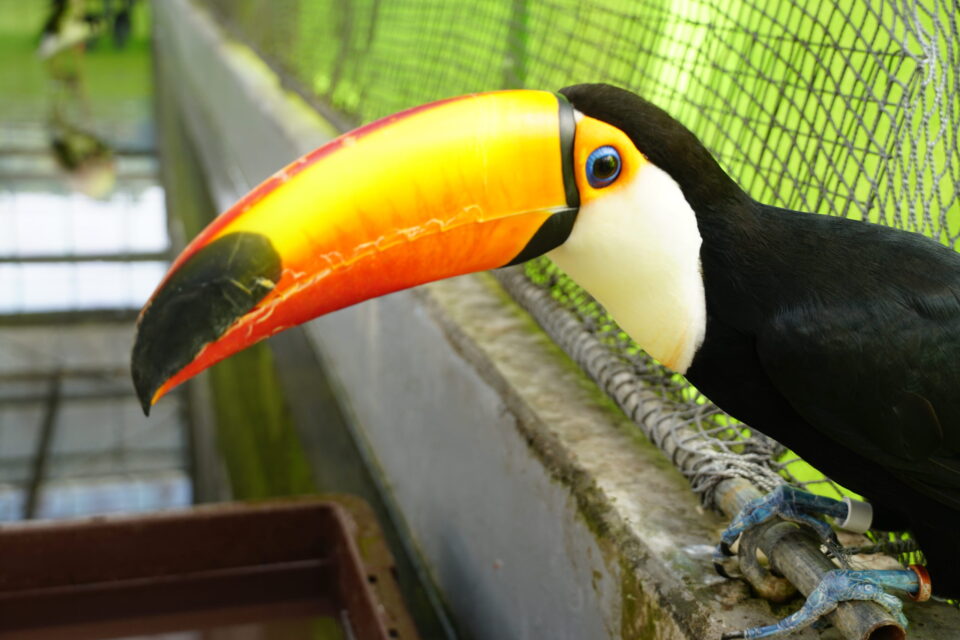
(843, 108)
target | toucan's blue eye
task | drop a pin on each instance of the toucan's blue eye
(603, 167)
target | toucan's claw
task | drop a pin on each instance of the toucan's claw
(839, 586)
(725, 562)
(836, 586)
(790, 504)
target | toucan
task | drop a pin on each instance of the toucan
(836, 337)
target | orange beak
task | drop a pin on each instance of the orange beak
(449, 188)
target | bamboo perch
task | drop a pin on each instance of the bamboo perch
(790, 550)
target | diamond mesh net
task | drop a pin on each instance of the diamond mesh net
(842, 108)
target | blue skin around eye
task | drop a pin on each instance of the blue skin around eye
(602, 152)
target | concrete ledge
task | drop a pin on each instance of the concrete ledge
(537, 507)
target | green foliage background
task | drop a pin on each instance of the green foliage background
(844, 108)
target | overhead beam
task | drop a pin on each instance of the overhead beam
(115, 392)
(145, 256)
(78, 316)
(101, 372)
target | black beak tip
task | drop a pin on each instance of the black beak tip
(144, 387)
(199, 301)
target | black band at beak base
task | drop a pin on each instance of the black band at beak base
(556, 229)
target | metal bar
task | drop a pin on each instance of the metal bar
(150, 256)
(27, 176)
(118, 392)
(137, 460)
(518, 36)
(44, 152)
(119, 371)
(72, 317)
(39, 468)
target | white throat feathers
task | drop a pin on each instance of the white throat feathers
(637, 251)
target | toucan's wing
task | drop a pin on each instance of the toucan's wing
(874, 364)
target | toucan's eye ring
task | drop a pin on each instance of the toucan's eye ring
(603, 167)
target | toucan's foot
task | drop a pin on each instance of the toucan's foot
(797, 506)
(843, 585)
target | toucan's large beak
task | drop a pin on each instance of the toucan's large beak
(453, 187)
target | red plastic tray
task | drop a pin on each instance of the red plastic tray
(288, 569)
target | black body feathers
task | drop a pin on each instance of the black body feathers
(838, 338)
